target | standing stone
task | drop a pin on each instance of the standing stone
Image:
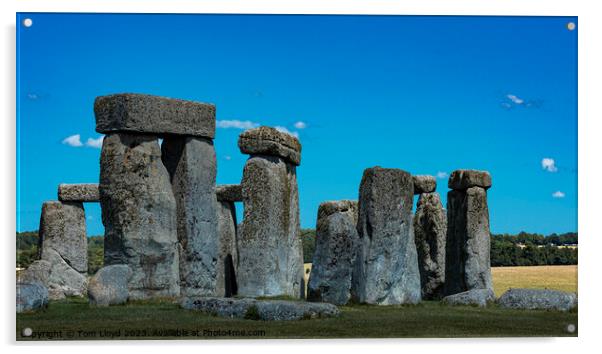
(139, 214)
(192, 167)
(386, 269)
(63, 230)
(430, 228)
(468, 237)
(336, 243)
(227, 261)
(270, 249)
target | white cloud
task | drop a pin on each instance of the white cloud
(300, 125)
(558, 194)
(95, 143)
(228, 157)
(284, 130)
(515, 99)
(442, 175)
(237, 124)
(549, 164)
(73, 140)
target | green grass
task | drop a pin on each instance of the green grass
(429, 319)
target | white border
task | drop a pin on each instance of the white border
(589, 162)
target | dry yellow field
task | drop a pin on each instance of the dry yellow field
(551, 277)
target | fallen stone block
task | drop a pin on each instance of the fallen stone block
(538, 299)
(31, 296)
(109, 286)
(464, 179)
(266, 310)
(424, 184)
(271, 142)
(474, 297)
(38, 271)
(83, 192)
(139, 113)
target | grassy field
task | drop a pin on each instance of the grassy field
(551, 277)
(74, 319)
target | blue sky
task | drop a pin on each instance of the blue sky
(424, 94)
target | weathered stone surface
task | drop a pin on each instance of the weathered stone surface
(538, 299)
(267, 310)
(56, 275)
(474, 297)
(271, 142)
(227, 261)
(430, 229)
(63, 280)
(82, 192)
(63, 229)
(424, 184)
(139, 113)
(31, 296)
(38, 271)
(464, 179)
(386, 268)
(229, 193)
(269, 242)
(468, 241)
(109, 286)
(336, 244)
(139, 214)
(348, 207)
(192, 167)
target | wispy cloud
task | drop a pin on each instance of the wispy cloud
(237, 124)
(549, 164)
(73, 140)
(284, 130)
(442, 175)
(511, 100)
(515, 99)
(300, 125)
(95, 143)
(228, 157)
(558, 194)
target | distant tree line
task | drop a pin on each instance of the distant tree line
(523, 249)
